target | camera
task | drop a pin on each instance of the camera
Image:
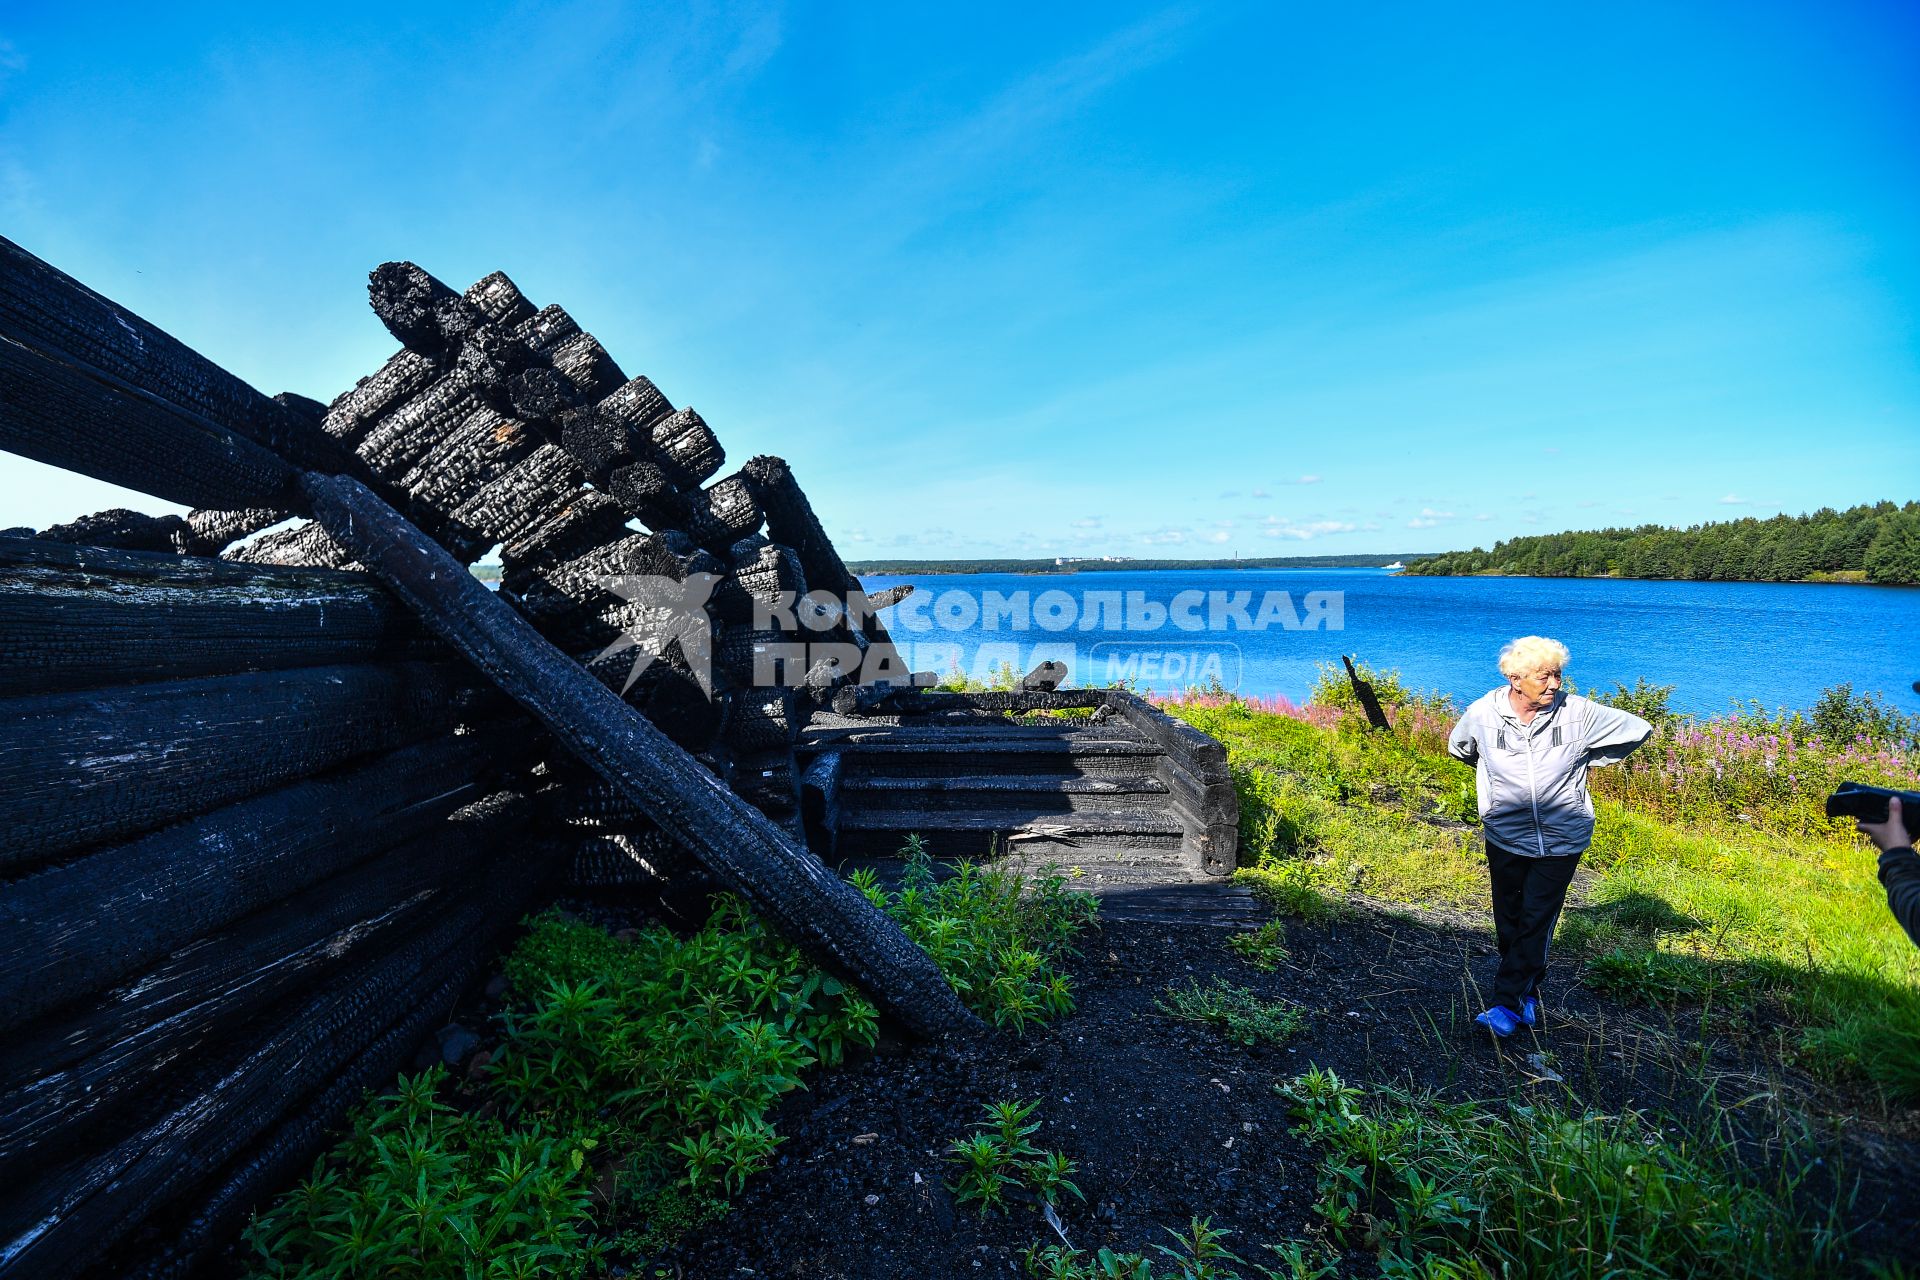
(1869, 804)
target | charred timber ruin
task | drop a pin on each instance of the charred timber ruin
(271, 802)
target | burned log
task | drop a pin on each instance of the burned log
(421, 313)
(50, 314)
(84, 767)
(76, 617)
(123, 530)
(75, 928)
(213, 531)
(69, 415)
(62, 1079)
(69, 1216)
(807, 902)
(1369, 701)
(303, 546)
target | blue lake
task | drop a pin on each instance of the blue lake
(1716, 642)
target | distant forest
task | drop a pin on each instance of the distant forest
(1879, 543)
(1116, 566)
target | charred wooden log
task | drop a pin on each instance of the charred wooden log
(500, 300)
(46, 312)
(688, 449)
(808, 903)
(304, 546)
(85, 767)
(75, 617)
(1369, 701)
(123, 530)
(195, 1232)
(213, 531)
(424, 315)
(69, 1216)
(61, 1080)
(75, 928)
(70, 415)
(581, 523)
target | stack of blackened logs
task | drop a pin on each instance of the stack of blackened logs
(501, 424)
(262, 831)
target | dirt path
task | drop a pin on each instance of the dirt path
(1167, 1120)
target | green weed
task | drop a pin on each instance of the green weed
(999, 1156)
(1198, 1253)
(1264, 948)
(1235, 1012)
(1531, 1190)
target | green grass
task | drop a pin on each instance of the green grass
(1715, 879)
(1468, 1190)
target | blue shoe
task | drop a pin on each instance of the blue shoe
(1500, 1020)
(1530, 1011)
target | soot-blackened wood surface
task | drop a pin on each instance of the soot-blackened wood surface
(44, 308)
(61, 414)
(103, 764)
(811, 905)
(81, 617)
(70, 1215)
(73, 929)
(65, 1078)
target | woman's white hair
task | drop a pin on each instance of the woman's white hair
(1529, 654)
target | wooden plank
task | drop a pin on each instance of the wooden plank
(838, 927)
(73, 929)
(96, 765)
(80, 617)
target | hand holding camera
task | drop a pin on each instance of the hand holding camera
(1887, 817)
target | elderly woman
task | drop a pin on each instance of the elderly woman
(1530, 744)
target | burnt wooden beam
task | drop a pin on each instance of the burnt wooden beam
(63, 1079)
(68, 414)
(82, 617)
(1369, 701)
(832, 922)
(73, 929)
(1045, 678)
(47, 312)
(87, 767)
(69, 1216)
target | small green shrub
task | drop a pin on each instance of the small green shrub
(1235, 1012)
(1000, 1155)
(997, 937)
(1264, 948)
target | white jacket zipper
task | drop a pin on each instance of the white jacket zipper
(1533, 795)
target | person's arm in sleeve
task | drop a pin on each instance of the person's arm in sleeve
(1899, 867)
(1463, 743)
(1613, 734)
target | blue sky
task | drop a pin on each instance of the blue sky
(1039, 280)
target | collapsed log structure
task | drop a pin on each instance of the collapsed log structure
(275, 791)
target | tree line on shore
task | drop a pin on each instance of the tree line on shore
(1878, 543)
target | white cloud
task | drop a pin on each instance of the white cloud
(1261, 493)
(1733, 500)
(1278, 527)
(1483, 516)
(1090, 522)
(1308, 480)
(1219, 535)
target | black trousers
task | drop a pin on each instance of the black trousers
(1527, 895)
